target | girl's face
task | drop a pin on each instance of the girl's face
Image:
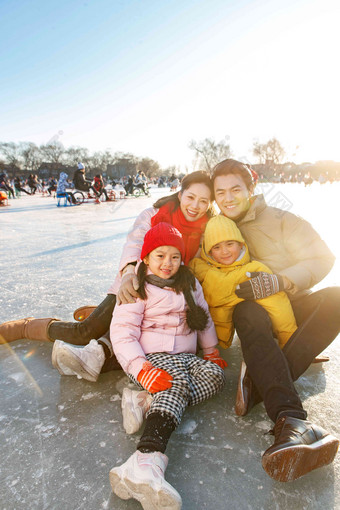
(226, 252)
(164, 261)
(194, 201)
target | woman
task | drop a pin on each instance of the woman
(188, 210)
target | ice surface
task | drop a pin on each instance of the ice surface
(60, 436)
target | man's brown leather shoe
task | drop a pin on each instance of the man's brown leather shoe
(299, 447)
(247, 395)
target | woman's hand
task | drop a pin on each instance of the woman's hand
(127, 292)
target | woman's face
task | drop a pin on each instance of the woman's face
(194, 201)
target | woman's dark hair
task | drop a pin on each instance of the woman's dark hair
(184, 280)
(232, 166)
(199, 177)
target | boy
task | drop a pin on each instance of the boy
(223, 265)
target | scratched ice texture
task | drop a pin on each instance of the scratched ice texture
(60, 436)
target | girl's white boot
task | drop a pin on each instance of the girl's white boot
(142, 477)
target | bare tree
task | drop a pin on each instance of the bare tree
(270, 153)
(98, 162)
(10, 151)
(31, 155)
(53, 153)
(150, 167)
(75, 155)
(208, 152)
(171, 170)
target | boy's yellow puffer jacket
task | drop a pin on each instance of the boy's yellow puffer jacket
(219, 283)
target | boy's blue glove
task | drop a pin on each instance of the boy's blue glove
(260, 285)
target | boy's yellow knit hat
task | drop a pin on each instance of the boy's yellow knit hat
(218, 229)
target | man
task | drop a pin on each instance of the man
(299, 259)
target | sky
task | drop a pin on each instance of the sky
(147, 77)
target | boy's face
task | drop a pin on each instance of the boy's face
(226, 252)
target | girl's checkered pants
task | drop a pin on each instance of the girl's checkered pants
(194, 380)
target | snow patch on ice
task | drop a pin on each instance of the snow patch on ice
(87, 396)
(262, 425)
(114, 398)
(46, 431)
(188, 427)
(17, 377)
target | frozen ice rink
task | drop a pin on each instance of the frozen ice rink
(60, 436)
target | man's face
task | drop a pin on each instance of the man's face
(232, 196)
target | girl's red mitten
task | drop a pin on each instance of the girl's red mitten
(154, 379)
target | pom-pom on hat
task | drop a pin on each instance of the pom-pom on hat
(81, 166)
(162, 234)
(218, 229)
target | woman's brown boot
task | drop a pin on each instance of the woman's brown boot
(29, 328)
(83, 312)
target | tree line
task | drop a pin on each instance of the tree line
(29, 157)
(269, 160)
(53, 156)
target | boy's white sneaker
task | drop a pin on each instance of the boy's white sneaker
(85, 362)
(135, 405)
(142, 477)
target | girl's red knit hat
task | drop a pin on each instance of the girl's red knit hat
(162, 234)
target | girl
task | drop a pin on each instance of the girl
(155, 341)
(188, 210)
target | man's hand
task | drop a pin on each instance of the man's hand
(260, 285)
